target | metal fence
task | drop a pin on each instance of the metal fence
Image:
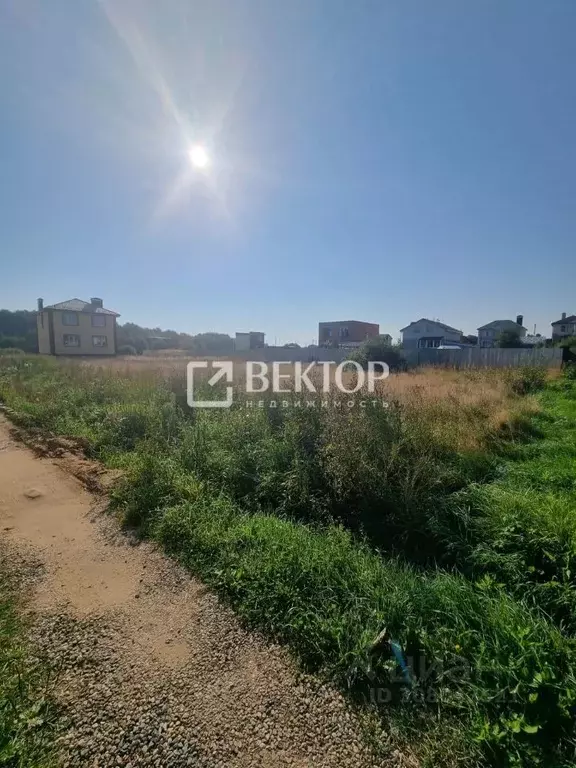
(295, 354)
(485, 357)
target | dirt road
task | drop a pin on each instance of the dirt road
(155, 671)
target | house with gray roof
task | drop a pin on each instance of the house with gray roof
(564, 327)
(426, 334)
(76, 327)
(488, 334)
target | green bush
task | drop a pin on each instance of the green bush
(529, 378)
(127, 349)
(377, 349)
(11, 342)
(508, 339)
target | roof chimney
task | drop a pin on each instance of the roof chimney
(520, 319)
(40, 305)
(96, 303)
(563, 315)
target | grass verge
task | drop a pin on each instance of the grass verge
(27, 714)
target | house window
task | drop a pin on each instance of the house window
(99, 341)
(69, 318)
(71, 340)
(98, 321)
(562, 329)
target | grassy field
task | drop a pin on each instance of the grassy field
(422, 555)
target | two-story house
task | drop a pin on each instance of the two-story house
(345, 333)
(76, 327)
(488, 334)
(564, 327)
(425, 334)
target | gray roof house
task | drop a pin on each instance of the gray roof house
(76, 327)
(488, 334)
(426, 334)
(564, 327)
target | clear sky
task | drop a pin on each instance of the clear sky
(379, 160)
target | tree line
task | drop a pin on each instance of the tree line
(18, 331)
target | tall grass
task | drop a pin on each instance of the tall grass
(387, 546)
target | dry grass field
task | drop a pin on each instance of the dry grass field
(463, 407)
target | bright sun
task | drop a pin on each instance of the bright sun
(199, 157)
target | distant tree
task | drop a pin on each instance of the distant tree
(213, 344)
(470, 339)
(377, 349)
(569, 341)
(127, 349)
(18, 329)
(508, 339)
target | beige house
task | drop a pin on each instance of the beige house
(76, 327)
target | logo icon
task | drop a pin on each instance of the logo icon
(224, 370)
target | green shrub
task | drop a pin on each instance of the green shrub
(377, 349)
(527, 379)
(127, 349)
(12, 342)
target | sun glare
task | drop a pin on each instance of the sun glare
(199, 157)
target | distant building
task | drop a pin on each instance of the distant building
(488, 334)
(534, 340)
(564, 327)
(427, 334)
(342, 333)
(246, 341)
(76, 327)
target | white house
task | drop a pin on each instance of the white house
(488, 334)
(426, 333)
(564, 327)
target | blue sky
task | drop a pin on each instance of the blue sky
(371, 160)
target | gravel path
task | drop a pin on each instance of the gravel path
(154, 670)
